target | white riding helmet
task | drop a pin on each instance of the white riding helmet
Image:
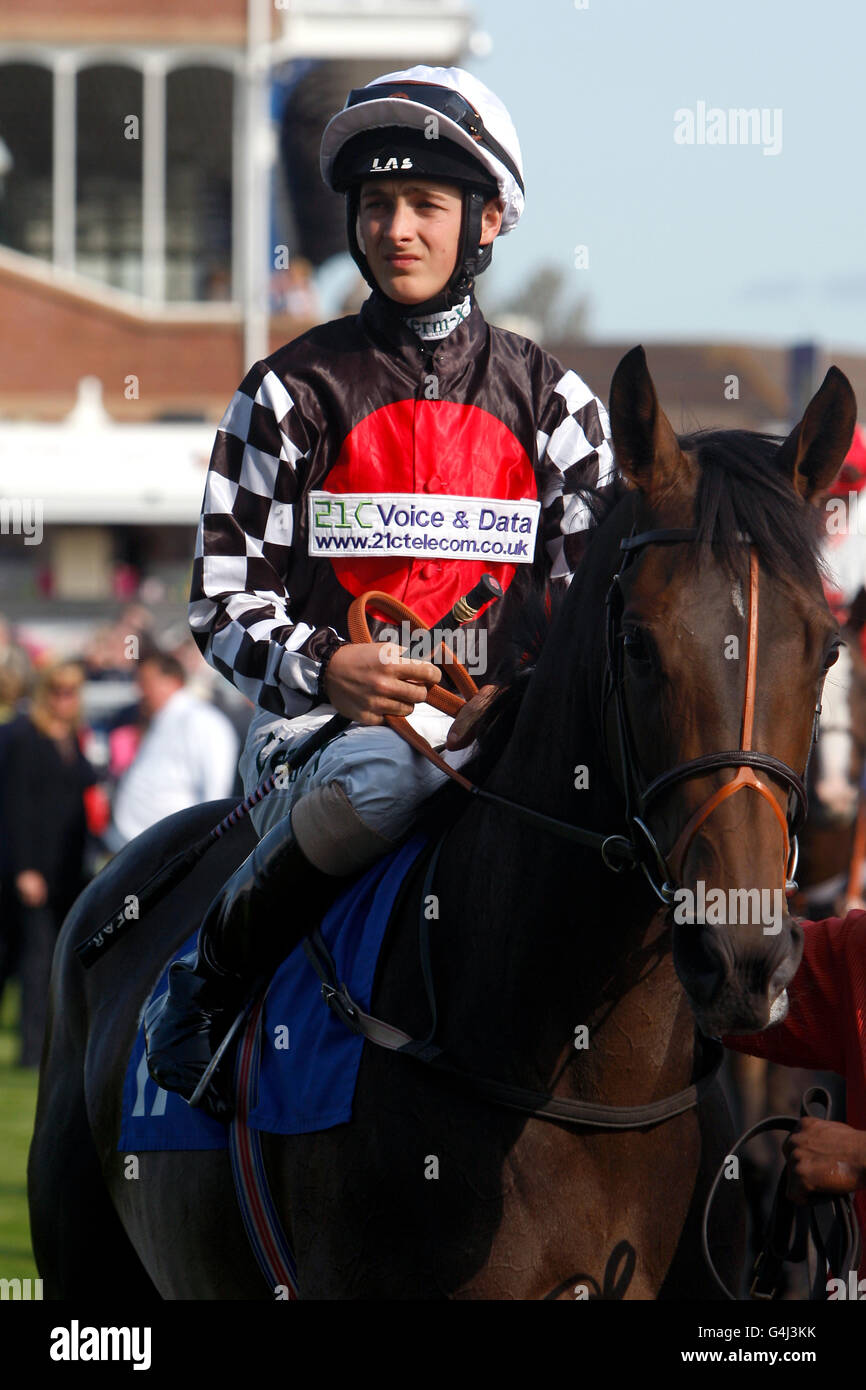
(439, 123)
(492, 139)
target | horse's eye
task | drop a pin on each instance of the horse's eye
(832, 656)
(636, 646)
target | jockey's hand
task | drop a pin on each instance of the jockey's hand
(462, 730)
(367, 680)
(824, 1157)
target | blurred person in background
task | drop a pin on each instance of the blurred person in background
(45, 778)
(354, 296)
(15, 677)
(293, 291)
(205, 682)
(844, 549)
(114, 649)
(188, 753)
(111, 656)
(16, 672)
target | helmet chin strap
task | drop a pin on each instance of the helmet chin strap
(467, 265)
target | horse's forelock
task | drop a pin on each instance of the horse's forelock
(740, 492)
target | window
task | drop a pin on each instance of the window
(198, 183)
(26, 105)
(108, 176)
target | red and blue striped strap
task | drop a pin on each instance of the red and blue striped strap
(260, 1217)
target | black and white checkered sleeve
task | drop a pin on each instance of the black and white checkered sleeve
(574, 452)
(239, 603)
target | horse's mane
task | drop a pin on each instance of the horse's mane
(739, 492)
(519, 654)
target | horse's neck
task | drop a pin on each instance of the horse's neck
(539, 939)
(554, 973)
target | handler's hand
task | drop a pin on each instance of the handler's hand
(462, 730)
(824, 1157)
(367, 680)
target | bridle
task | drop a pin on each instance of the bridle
(640, 845)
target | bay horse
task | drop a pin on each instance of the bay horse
(536, 937)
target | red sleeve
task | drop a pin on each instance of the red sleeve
(820, 1001)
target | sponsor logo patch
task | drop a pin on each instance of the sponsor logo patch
(407, 523)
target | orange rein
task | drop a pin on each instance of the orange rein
(444, 700)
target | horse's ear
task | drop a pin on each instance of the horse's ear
(815, 449)
(645, 446)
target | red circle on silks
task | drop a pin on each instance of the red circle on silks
(429, 447)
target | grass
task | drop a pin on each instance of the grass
(17, 1109)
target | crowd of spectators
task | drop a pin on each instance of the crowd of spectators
(95, 747)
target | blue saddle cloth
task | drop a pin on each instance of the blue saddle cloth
(310, 1060)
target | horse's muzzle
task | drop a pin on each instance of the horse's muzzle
(736, 978)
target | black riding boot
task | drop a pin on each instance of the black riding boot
(272, 900)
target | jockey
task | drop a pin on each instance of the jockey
(410, 448)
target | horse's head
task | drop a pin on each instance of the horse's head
(720, 639)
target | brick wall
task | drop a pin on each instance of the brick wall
(58, 21)
(52, 338)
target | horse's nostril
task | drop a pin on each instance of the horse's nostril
(699, 962)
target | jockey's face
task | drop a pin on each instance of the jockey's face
(409, 230)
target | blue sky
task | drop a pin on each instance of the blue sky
(690, 241)
(711, 242)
